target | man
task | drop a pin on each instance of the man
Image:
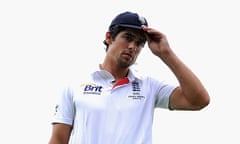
(114, 104)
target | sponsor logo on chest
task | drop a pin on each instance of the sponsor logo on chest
(92, 88)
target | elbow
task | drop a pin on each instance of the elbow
(202, 102)
(206, 100)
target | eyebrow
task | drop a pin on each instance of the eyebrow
(135, 36)
(130, 34)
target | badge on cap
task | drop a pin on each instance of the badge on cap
(142, 20)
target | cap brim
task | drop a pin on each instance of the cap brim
(131, 26)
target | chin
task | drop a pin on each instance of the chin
(125, 64)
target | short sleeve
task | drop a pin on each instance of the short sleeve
(163, 92)
(64, 108)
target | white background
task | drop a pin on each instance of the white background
(45, 43)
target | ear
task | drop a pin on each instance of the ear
(108, 38)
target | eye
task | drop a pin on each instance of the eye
(140, 43)
(128, 37)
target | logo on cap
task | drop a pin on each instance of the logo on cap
(142, 20)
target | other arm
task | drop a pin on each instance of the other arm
(60, 134)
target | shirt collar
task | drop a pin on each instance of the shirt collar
(100, 75)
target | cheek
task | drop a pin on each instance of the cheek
(137, 53)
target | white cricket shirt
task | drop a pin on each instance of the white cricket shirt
(103, 113)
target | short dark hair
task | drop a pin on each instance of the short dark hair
(114, 30)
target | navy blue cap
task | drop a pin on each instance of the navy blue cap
(129, 20)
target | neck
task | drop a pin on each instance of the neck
(118, 73)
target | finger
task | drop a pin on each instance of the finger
(152, 34)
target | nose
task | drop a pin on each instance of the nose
(133, 46)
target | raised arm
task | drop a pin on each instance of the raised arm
(191, 94)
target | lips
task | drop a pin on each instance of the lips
(126, 54)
